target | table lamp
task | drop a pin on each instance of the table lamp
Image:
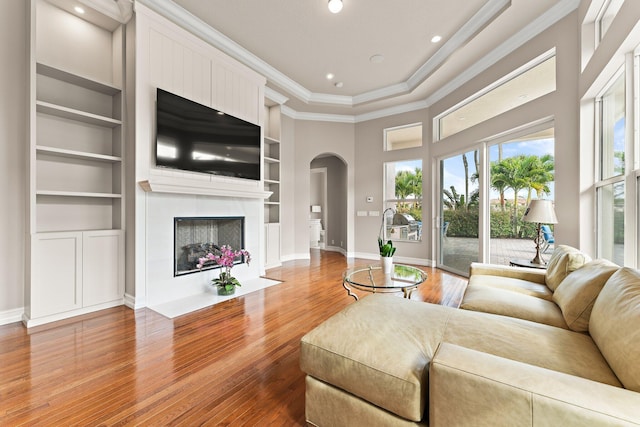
(540, 212)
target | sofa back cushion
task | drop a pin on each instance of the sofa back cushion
(577, 293)
(563, 261)
(615, 325)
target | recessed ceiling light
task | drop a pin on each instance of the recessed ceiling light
(436, 39)
(335, 6)
(79, 9)
(377, 58)
(330, 76)
(523, 96)
(338, 84)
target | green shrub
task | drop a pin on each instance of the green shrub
(464, 223)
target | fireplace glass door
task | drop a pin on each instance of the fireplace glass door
(194, 237)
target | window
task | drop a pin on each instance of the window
(532, 81)
(608, 12)
(403, 194)
(612, 129)
(610, 189)
(397, 138)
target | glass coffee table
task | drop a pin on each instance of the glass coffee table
(404, 278)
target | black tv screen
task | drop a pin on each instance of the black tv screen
(194, 137)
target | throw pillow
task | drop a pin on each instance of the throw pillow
(615, 325)
(563, 261)
(577, 293)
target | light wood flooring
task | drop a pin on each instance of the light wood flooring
(235, 363)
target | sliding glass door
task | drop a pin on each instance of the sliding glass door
(459, 211)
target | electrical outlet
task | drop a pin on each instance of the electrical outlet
(333, 242)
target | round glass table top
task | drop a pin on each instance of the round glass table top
(373, 279)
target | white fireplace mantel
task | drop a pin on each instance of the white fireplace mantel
(205, 188)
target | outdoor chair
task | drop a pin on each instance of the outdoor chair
(547, 237)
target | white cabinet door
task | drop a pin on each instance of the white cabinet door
(103, 266)
(56, 282)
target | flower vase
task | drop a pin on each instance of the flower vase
(387, 264)
(224, 290)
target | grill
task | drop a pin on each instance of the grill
(406, 225)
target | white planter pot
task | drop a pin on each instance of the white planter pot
(387, 264)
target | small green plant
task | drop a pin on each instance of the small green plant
(386, 249)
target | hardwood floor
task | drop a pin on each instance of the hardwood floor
(235, 363)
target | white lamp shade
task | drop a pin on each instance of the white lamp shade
(540, 211)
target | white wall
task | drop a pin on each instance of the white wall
(14, 77)
(370, 158)
(173, 59)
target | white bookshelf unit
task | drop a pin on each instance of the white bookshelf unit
(75, 162)
(272, 184)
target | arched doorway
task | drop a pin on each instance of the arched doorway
(328, 204)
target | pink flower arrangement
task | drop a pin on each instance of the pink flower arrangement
(224, 257)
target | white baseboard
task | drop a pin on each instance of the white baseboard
(11, 316)
(134, 303)
(336, 249)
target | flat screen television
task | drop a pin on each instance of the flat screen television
(194, 137)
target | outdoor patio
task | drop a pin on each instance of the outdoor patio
(459, 252)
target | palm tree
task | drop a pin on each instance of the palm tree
(409, 183)
(538, 171)
(499, 181)
(510, 174)
(452, 199)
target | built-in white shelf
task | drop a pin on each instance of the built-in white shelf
(271, 160)
(78, 115)
(74, 79)
(77, 194)
(272, 203)
(271, 181)
(77, 154)
(269, 140)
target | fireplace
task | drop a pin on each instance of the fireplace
(194, 237)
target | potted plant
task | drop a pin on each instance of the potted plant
(386, 254)
(225, 257)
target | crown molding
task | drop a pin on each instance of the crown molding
(317, 117)
(274, 95)
(119, 10)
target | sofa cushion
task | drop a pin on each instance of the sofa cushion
(511, 284)
(513, 304)
(563, 261)
(577, 293)
(378, 349)
(528, 342)
(615, 325)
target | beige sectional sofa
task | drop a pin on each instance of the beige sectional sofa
(389, 361)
